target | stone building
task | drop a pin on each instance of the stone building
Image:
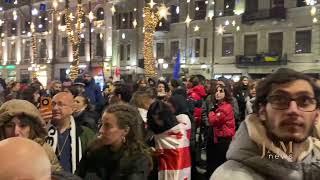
(224, 37)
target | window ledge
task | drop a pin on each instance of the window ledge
(228, 57)
(303, 54)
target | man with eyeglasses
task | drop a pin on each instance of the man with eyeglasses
(275, 141)
(65, 136)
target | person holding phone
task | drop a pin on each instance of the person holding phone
(221, 120)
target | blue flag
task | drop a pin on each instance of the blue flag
(176, 70)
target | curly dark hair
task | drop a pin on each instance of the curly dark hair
(282, 76)
(160, 117)
(127, 117)
(166, 87)
(37, 130)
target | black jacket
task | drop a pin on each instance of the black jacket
(103, 164)
(87, 118)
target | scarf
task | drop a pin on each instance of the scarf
(76, 152)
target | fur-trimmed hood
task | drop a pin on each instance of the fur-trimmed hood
(245, 160)
(19, 107)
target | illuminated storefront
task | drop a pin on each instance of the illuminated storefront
(8, 72)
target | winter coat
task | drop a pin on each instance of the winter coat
(184, 116)
(246, 160)
(249, 104)
(240, 94)
(55, 164)
(208, 104)
(103, 164)
(197, 94)
(87, 118)
(93, 92)
(81, 137)
(17, 107)
(63, 175)
(222, 120)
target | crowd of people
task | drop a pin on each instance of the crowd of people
(157, 129)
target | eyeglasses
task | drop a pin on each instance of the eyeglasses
(305, 103)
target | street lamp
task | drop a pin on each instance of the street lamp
(55, 4)
(160, 62)
(91, 18)
(165, 66)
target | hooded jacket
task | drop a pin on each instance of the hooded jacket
(22, 107)
(246, 160)
(93, 92)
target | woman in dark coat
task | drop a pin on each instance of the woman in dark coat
(118, 153)
(83, 114)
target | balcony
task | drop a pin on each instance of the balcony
(260, 60)
(274, 13)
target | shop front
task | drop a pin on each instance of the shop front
(8, 72)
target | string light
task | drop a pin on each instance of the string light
(55, 4)
(150, 24)
(220, 29)
(314, 20)
(196, 28)
(113, 9)
(74, 38)
(313, 11)
(14, 14)
(227, 23)
(238, 28)
(91, 16)
(163, 11)
(152, 3)
(188, 20)
(311, 2)
(233, 23)
(34, 12)
(1, 22)
(134, 23)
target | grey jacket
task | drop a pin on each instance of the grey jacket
(245, 161)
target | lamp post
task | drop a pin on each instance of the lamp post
(160, 66)
(91, 18)
(55, 4)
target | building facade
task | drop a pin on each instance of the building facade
(48, 50)
(224, 37)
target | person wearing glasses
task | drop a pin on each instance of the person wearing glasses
(275, 142)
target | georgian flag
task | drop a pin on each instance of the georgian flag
(174, 159)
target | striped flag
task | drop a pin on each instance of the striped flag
(174, 159)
